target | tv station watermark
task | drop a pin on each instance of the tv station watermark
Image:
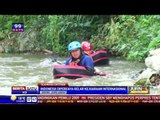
(17, 27)
(139, 90)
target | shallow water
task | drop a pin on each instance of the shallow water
(29, 70)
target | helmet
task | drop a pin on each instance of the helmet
(86, 45)
(74, 45)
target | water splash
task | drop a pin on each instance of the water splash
(30, 70)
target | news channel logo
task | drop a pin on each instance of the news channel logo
(139, 90)
(17, 27)
(31, 88)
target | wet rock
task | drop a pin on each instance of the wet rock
(141, 81)
(146, 73)
(143, 78)
(152, 74)
(153, 62)
(154, 52)
(155, 79)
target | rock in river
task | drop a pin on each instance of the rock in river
(153, 62)
(152, 74)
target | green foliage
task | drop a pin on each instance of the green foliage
(131, 36)
(61, 30)
(53, 32)
(10, 49)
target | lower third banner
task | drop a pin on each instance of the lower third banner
(84, 90)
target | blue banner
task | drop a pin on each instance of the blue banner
(25, 92)
(84, 90)
(18, 99)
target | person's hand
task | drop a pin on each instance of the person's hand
(73, 64)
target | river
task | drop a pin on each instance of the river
(29, 70)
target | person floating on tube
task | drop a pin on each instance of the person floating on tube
(78, 57)
(87, 47)
(88, 50)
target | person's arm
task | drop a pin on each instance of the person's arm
(67, 61)
(89, 65)
(90, 70)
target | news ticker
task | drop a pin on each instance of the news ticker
(69, 99)
(71, 90)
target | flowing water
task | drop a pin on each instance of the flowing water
(29, 70)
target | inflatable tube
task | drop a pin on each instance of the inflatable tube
(70, 72)
(100, 57)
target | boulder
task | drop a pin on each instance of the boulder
(151, 76)
(144, 77)
(154, 52)
(153, 62)
(155, 79)
(146, 74)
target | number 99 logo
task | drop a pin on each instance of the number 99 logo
(17, 25)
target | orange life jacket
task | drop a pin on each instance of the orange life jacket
(75, 63)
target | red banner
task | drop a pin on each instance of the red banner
(100, 99)
(53, 84)
(18, 88)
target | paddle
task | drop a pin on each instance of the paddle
(100, 73)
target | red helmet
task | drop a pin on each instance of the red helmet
(86, 45)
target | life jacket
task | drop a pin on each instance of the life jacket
(74, 63)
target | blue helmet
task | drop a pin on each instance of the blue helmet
(74, 45)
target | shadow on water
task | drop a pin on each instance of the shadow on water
(32, 69)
